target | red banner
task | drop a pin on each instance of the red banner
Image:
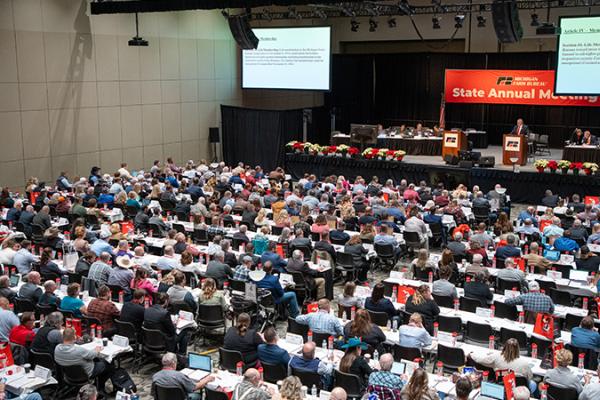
(494, 86)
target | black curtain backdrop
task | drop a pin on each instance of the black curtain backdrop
(258, 137)
(404, 88)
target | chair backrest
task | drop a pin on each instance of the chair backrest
(345, 260)
(412, 238)
(560, 297)
(384, 250)
(406, 353)
(114, 291)
(572, 321)
(478, 332)
(237, 285)
(215, 394)
(296, 328)
(90, 285)
(558, 393)
(168, 392)
(154, 339)
(320, 337)
(504, 284)
(542, 344)
(128, 330)
(273, 372)
(228, 359)
(503, 310)
(87, 322)
(74, 374)
(179, 228)
(210, 314)
(299, 281)
(469, 304)
(451, 357)
(308, 378)
(350, 383)
(46, 360)
(449, 324)
(66, 313)
(23, 304)
(443, 301)
(44, 310)
(379, 318)
(521, 337)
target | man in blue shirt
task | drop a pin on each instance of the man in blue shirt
(278, 263)
(271, 283)
(584, 336)
(322, 321)
(269, 352)
(101, 245)
(502, 253)
(528, 214)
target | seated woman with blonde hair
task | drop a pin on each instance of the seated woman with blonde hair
(291, 389)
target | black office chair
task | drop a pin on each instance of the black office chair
(132, 333)
(572, 321)
(66, 313)
(503, 310)
(469, 304)
(437, 237)
(590, 357)
(413, 240)
(228, 359)
(73, 378)
(44, 310)
(558, 393)
(451, 357)
(443, 301)
(179, 228)
(350, 383)
(200, 236)
(546, 286)
(22, 305)
(561, 297)
(521, 337)
(297, 329)
(406, 353)
(450, 324)
(320, 337)
(273, 372)
(344, 265)
(379, 318)
(543, 346)
(236, 285)
(210, 318)
(45, 360)
(87, 322)
(423, 274)
(211, 394)
(385, 255)
(478, 334)
(504, 284)
(308, 378)
(154, 345)
(168, 392)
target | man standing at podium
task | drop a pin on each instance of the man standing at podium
(520, 128)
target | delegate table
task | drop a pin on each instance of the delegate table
(423, 146)
(582, 153)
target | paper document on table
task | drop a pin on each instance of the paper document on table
(396, 274)
(194, 374)
(509, 294)
(444, 386)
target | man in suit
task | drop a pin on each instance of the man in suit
(271, 283)
(42, 218)
(270, 255)
(300, 240)
(297, 264)
(504, 252)
(26, 219)
(218, 270)
(269, 352)
(520, 128)
(158, 317)
(133, 311)
(589, 139)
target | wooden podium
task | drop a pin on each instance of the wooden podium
(514, 146)
(453, 142)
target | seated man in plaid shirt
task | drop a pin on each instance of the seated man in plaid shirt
(534, 301)
(384, 383)
(243, 270)
(322, 321)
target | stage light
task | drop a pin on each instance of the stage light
(481, 21)
(436, 22)
(459, 19)
(354, 25)
(534, 20)
(137, 40)
(372, 25)
(391, 22)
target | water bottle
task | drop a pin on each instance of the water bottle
(353, 312)
(395, 294)
(543, 391)
(313, 390)
(492, 311)
(430, 277)
(440, 368)
(376, 355)
(309, 336)
(394, 325)
(121, 297)
(521, 317)
(534, 350)
(436, 327)
(491, 343)
(93, 331)
(239, 368)
(580, 363)
(456, 304)
(324, 344)
(99, 332)
(585, 303)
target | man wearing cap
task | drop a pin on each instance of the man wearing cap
(122, 275)
(101, 245)
(308, 362)
(534, 301)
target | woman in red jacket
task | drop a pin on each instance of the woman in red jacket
(23, 334)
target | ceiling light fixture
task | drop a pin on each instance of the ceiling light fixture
(459, 20)
(436, 22)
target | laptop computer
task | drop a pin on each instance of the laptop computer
(551, 255)
(202, 365)
(398, 368)
(14, 280)
(491, 391)
(577, 275)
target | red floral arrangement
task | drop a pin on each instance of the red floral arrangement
(353, 151)
(331, 149)
(390, 153)
(576, 165)
(553, 165)
(298, 146)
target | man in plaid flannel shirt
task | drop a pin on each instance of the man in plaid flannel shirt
(383, 383)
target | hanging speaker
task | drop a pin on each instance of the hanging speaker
(213, 135)
(242, 32)
(507, 24)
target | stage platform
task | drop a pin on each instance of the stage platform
(527, 186)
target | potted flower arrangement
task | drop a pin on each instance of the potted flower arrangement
(315, 149)
(564, 166)
(399, 155)
(552, 166)
(381, 154)
(590, 168)
(352, 152)
(540, 164)
(390, 154)
(576, 167)
(342, 149)
(369, 153)
(330, 150)
(295, 146)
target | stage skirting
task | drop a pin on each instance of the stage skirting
(524, 187)
(414, 147)
(581, 154)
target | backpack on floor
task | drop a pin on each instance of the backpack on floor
(122, 381)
